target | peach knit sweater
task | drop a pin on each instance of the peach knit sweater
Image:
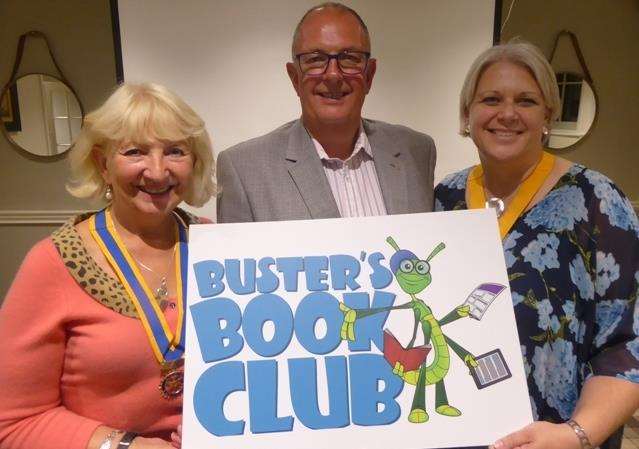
(69, 364)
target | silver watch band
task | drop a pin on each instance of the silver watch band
(126, 440)
(581, 434)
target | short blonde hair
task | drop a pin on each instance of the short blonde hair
(141, 113)
(518, 52)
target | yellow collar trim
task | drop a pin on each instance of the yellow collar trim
(523, 196)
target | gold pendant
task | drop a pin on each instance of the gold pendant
(172, 383)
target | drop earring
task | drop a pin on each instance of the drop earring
(108, 194)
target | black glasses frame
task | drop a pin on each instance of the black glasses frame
(336, 57)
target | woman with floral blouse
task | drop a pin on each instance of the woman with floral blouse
(571, 245)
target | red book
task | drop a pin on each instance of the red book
(410, 358)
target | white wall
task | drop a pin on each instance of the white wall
(227, 59)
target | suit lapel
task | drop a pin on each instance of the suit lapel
(305, 167)
(390, 167)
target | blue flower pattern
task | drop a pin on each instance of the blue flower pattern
(633, 346)
(575, 278)
(581, 278)
(607, 272)
(632, 375)
(456, 180)
(555, 375)
(509, 243)
(560, 210)
(517, 298)
(542, 252)
(573, 324)
(609, 313)
(613, 204)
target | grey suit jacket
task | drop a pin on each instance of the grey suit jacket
(280, 176)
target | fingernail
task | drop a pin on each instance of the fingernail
(498, 444)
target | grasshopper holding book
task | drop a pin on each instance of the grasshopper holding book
(413, 276)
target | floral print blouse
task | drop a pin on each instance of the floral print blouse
(573, 262)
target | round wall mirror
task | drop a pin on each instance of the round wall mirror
(40, 114)
(577, 114)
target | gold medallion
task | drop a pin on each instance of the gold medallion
(172, 383)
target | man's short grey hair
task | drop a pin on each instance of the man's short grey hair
(518, 52)
(330, 5)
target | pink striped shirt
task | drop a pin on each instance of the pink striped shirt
(354, 182)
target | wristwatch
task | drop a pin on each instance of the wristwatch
(106, 444)
(126, 440)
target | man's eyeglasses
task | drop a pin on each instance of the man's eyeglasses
(349, 62)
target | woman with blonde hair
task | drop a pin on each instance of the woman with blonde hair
(571, 244)
(93, 324)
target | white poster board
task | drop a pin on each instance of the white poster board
(270, 304)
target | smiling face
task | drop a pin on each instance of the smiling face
(507, 114)
(413, 275)
(149, 179)
(331, 99)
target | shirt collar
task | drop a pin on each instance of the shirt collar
(361, 145)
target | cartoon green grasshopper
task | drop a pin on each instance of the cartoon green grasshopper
(413, 276)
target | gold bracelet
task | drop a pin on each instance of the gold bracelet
(581, 434)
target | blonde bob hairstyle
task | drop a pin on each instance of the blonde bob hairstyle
(518, 52)
(141, 113)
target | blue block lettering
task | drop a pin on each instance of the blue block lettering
(315, 268)
(234, 279)
(262, 383)
(217, 342)
(263, 308)
(290, 267)
(209, 275)
(211, 390)
(268, 281)
(381, 277)
(366, 372)
(303, 385)
(344, 272)
(316, 306)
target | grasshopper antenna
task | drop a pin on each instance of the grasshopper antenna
(437, 249)
(392, 243)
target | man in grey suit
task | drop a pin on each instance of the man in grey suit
(331, 163)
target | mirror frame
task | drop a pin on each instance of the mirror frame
(24, 151)
(571, 147)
